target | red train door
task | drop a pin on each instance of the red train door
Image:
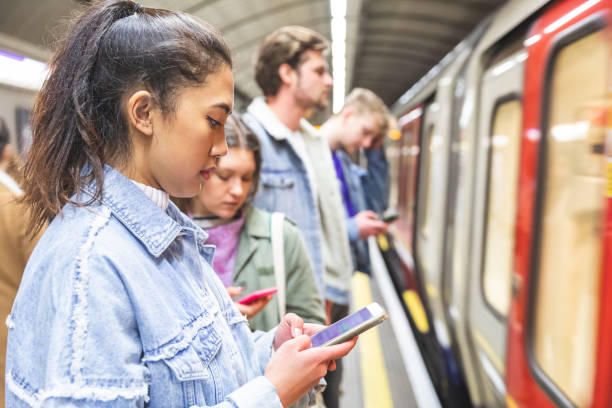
(560, 324)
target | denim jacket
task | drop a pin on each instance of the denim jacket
(376, 180)
(285, 187)
(355, 176)
(119, 307)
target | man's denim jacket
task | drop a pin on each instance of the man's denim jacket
(119, 307)
(376, 180)
(285, 187)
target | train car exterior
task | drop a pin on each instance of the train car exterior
(503, 187)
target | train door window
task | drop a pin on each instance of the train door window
(410, 151)
(432, 167)
(393, 148)
(570, 246)
(504, 143)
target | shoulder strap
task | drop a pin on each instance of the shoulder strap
(278, 255)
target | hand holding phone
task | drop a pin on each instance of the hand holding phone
(258, 294)
(351, 326)
(387, 218)
(368, 224)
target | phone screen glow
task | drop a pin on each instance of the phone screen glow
(341, 326)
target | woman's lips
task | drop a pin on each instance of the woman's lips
(206, 173)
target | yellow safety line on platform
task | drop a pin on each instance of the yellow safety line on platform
(416, 309)
(383, 243)
(375, 384)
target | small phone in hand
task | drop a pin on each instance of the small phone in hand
(258, 294)
(351, 326)
(389, 218)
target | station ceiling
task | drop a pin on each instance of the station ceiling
(390, 43)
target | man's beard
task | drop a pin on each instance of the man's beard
(306, 102)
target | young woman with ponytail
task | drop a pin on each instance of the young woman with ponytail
(118, 305)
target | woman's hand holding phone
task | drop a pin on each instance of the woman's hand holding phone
(252, 308)
(295, 368)
(290, 327)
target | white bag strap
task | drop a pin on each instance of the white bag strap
(278, 254)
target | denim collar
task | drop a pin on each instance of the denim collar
(272, 124)
(154, 228)
(260, 109)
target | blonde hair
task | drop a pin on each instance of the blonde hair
(364, 101)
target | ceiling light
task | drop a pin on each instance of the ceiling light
(21, 72)
(338, 30)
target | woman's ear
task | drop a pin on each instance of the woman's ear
(140, 111)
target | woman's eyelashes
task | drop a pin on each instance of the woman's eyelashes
(226, 177)
(214, 123)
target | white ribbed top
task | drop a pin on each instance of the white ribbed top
(159, 197)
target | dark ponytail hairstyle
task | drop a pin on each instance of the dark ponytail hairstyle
(78, 121)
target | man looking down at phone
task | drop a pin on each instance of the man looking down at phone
(244, 258)
(362, 122)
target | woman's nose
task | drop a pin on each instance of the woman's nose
(236, 189)
(219, 147)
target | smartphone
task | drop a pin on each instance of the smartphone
(351, 326)
(389, 218)
(258, 294)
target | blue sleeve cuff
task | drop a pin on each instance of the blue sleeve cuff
(336, 295)
(352, 229)
(258, 392)
(310, 399)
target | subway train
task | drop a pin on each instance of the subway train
(502, 178)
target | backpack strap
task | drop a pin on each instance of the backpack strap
(277, 220)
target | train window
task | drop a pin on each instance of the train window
(501, 213)
(392, 151)
(410, 150)
(432, 168)
(570, 257)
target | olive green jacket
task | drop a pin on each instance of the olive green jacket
(254, 269)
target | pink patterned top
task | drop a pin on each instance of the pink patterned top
(225, 236)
